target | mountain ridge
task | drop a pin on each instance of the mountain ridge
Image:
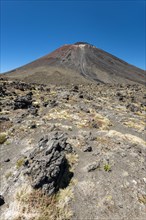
(79, 63)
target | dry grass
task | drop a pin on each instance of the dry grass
(72, 158)
(19, 163)
(135, 124)
(5, 126)
(80, 119)
(126, 137)
(142, 199)
(3, 137)
(8, 175)
(34, 205)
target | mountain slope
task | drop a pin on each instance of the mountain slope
(79, 63)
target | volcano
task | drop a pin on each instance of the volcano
(78, 63)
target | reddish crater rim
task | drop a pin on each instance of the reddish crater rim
(65, 49)
(85, 43)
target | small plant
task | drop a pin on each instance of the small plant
(53, 207)
(7, 142)
(19, 163)
(142, 199)
(9, 174)
(72, 158)
(107, 167)
(3, 137)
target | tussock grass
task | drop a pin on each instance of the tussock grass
(142, 199)
(34, 205)
(3, 137)
(19, 163)
(80, 118)
(72, 158)
(8, 175)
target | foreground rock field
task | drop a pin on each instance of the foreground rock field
(72, 152)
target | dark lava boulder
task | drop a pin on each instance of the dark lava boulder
(23, 102)
(2, 91)
(1, 200)
(47, 166)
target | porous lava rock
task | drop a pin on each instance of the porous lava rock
(1, 200)
(47, 165)
(23, 102)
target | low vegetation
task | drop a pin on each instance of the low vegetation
(3, 137)
(19, 163)
(8, 175)
(42, 207)
(107, 167)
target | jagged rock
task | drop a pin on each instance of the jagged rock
(2, 91)
(22, 86)
(133, 107)
(75, 89)
(4, 118)
(87, 149)
(2, 201)
(23, 102)
(7, 160)
(53, 103)
(81, 96)
(45, 104)
(33, 125)
(33, 110)
(47, 164)
(93, 166)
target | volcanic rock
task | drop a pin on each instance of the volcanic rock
(47, 164)
(23, 102)
(1, 200)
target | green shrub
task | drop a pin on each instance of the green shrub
(107, 167)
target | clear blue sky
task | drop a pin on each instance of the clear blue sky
(31, 29)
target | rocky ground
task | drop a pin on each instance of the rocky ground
(72, 152)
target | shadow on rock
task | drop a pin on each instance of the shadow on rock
(47, 165)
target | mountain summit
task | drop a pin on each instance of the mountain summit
(79, 63)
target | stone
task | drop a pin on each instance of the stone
(87, 149)
(133, 108)
(33, 111)
(33, 125)
(7, 160)
(45, 104)
(53, 103)
(81, 96)
(4, 118)
(2, 201)
(23, 102)
(47, 164)
(93, 166)
(2, 91)
(75, 89)
(144, 179)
